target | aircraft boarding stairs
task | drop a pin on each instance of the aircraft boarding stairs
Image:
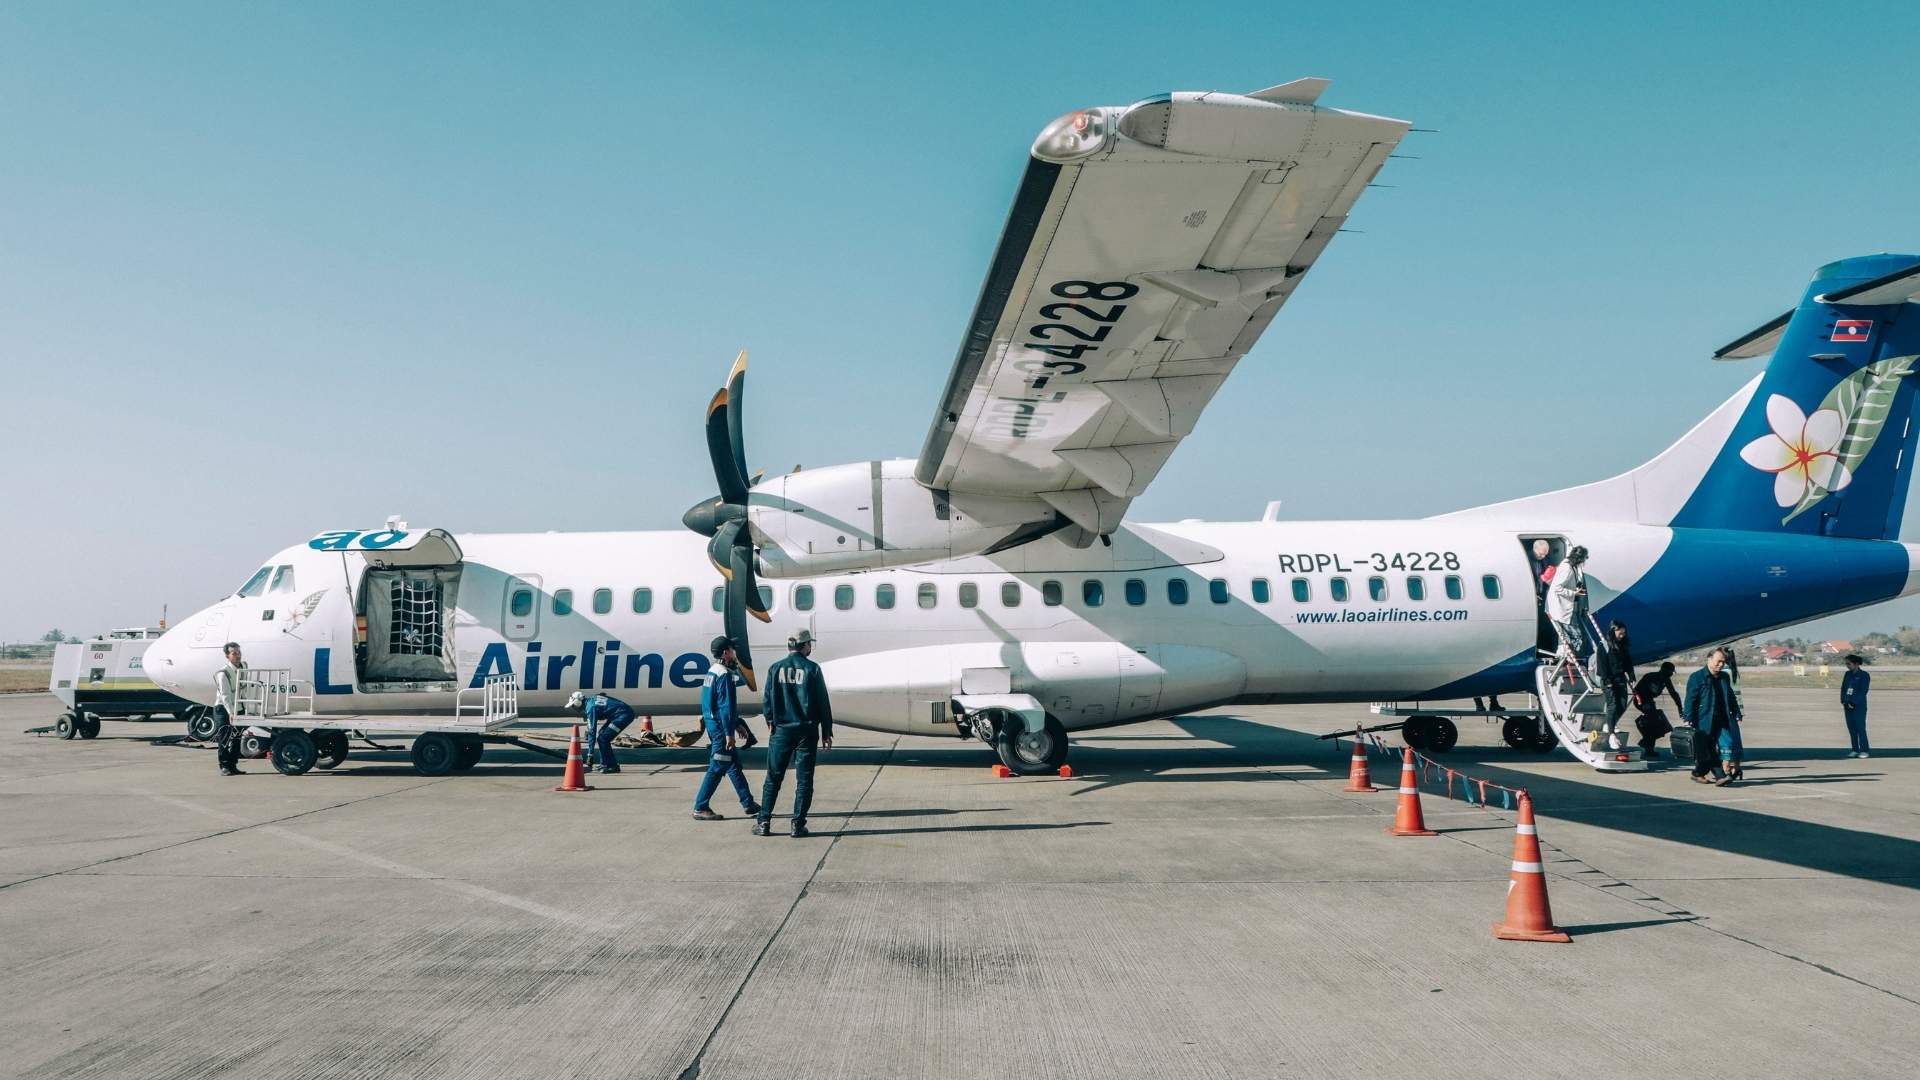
(1571, 700)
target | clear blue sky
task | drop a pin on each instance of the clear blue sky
(267, 270)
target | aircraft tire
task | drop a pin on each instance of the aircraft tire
(331, 748)
(202, 726)
(434, 754)
(1442, 734)
(1416, 731)
(89, 726)
(293, 752)
(1519, 732)
(1030, 754)
(1543, 741)
(67, 726)
(469, 754)
(252, 746)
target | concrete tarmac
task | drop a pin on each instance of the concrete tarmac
(1199, 900)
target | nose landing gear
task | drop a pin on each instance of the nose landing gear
(1025, 749)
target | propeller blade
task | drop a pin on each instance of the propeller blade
(720, 549)
(737, 417)
(749, 587)
(727, 473)
(738, 581)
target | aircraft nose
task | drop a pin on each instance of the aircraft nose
(167, 661)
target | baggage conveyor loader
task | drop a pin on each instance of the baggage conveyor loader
(301, 739)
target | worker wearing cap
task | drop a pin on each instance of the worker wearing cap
(720, 714)
(799, 723)
(605, 717)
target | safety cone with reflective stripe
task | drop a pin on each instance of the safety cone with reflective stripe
(1528, 916)
(646, 725)
(1358, 779)
(1407, 818)
(576, 776)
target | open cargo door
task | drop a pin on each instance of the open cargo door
(404, 607)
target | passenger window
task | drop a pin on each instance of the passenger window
(1490, 584)
(1050, 593)
(1416, 589)
(1337, 588)
(683, 600)
(929, 595)
(843, 597)
(522, 603)
(602, 601)
(1217, 590)
(969, 594)
(1302, 590)
(1092, 592)
(282, 579)
(803, 598)
(563, 601)
(642, 601)
(1136, 592)
(1377, 589)
(766, 598)
(719, 598)
(1455, 590)
(256, 584)
(1010, 594)
(1176, 590)
(1262, 592)
(883, 597)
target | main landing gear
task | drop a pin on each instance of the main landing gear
(1024, 748)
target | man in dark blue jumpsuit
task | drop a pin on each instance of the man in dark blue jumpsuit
(605, 717)
(799, 722)
(720, 715)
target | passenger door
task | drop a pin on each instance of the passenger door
(520, 608)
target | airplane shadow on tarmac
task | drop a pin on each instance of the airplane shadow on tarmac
(1614, 803)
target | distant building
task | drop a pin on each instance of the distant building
(1836, 648)
(1780, 654)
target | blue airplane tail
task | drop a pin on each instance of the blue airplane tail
(1819, 444)
(1825, 444)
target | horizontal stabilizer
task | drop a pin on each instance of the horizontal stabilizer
(1758, 342)
(1898, 287)
(1298, 92)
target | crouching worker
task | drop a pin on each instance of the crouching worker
(605, 718)
(1653, 723)
(799, 722)
(720, 715)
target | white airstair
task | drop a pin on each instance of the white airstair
(1571, 700)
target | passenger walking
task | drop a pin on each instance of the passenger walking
(1567, 603)
(1732, 750)
(1652, 722)
(1853, 701)
(1613, 662)
(799, 723)
(605, 718)
(226, 708)
(1709, 706)
(720, 714)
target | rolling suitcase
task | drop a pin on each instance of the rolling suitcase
(1681, 739)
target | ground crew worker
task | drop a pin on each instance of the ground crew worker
(1567, 602)
(720, 714)
(1853, 701)
(799, 722)
(605, 717)
(226, 706)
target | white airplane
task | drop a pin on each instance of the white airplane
(992, 588)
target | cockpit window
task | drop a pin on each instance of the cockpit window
(256, 584)
(282, 579)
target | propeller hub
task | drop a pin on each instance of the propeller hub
(706, 516)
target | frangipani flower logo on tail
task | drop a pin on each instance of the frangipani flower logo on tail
(1813, 455)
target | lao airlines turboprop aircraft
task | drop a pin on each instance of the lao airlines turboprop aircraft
(991, 587)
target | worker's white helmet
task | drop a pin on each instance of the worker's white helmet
(576, 700)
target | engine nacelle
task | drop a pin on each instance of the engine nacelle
(874, 514)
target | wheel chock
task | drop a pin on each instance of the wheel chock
(1066, 772)
(1002, 771)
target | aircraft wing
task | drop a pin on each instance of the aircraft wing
(1148, 247)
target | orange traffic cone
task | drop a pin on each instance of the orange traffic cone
(1407, 818)
(576, 777)
(1528, 916)
(1358, 779)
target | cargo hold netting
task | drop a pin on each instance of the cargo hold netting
(410, 624)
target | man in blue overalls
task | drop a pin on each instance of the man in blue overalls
(606, 717)
(720, 715)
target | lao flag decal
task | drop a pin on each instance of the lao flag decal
(1851, 330)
